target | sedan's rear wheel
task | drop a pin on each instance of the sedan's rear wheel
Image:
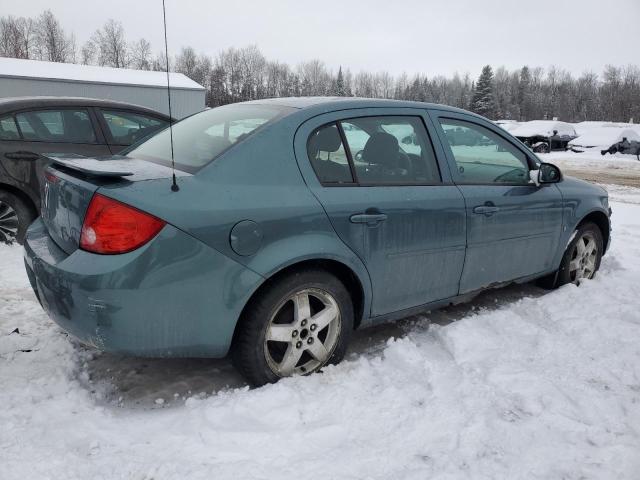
(294, 326)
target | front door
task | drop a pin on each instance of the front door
(513, 226)
(378, 179)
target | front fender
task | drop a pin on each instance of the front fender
(580, 199)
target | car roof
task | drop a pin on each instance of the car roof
(343, 103)
(10, 104)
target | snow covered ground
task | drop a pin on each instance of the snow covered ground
(521, 383)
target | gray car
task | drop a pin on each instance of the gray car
(31, 126)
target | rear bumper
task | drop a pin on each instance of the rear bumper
(174, 296)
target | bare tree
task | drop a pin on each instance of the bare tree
(140, 55)
(111, 45)
(17, 37)
(187, 61)
(88, 53)
(52, 43)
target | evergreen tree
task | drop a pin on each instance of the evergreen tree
(339, 89)
(483, 102)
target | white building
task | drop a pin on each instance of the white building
(19, 78)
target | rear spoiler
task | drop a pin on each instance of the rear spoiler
(112, 167)
(92, 166)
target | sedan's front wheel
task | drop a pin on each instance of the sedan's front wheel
(295, 326)
(581, 259)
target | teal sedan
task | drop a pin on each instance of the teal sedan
(291, 222)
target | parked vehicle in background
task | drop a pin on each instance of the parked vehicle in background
(297, 220)
(31, 126)
(602, 138)
(543, 136)
(507, 125)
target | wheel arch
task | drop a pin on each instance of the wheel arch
(341, 270)
(601, 219)
(22, 195)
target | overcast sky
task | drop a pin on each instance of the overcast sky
(433, 37)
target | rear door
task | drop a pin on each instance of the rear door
(513, 226)
(377, 176)
(52, 130)
(123, 128)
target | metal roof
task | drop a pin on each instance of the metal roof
(68, 72)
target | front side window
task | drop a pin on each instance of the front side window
(64, 126)
(391, 150)
(128, 128)
(8, 128)
(199, 139)
(482, 156)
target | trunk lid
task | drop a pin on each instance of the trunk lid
(70, 183)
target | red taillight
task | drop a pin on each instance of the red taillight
(112, 227)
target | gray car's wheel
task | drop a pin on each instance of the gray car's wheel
(15, 218)
(295, 326)
(581, 259)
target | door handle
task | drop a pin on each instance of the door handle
(371, 219)
(22, 155)
(487, 209)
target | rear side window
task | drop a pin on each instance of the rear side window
(199, 139)
(328, 157)
(128, 128)
(384, 150)
(8, 129)
(64, 126)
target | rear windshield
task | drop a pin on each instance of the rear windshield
(199, 139)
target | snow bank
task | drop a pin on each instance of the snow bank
(544, 386)
(604, 137)
(586, 126)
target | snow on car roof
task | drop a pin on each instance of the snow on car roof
(544, 128)
(19, 68)
(604, 136)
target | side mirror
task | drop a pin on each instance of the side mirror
(549, 173)
(546, 173)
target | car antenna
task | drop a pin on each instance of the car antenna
(174, 185)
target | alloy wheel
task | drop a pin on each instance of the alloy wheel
(583, 258)
(302, 333)
(8, 223)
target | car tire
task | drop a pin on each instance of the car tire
(15, 218)
(542, 148)
(280, 334)
(581, 259)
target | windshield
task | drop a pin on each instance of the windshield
(199, 139)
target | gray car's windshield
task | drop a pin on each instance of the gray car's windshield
(199, 139)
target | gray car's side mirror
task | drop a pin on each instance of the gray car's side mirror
(549, 173)
(546, 173)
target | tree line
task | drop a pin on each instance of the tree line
(239, 74)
